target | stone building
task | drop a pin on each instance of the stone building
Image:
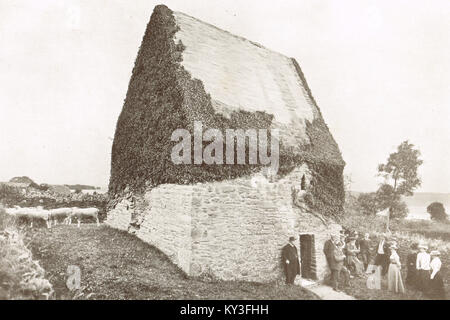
(228, 221)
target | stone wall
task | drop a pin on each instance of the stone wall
(167, 222)
(232, 229)
(120, 217)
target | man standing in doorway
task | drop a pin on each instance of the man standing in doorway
(291, 264)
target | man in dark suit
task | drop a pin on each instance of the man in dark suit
(335, 258)
(328, 251)
(328, 248)
(364, 250)
(289, 256)
(383, 254)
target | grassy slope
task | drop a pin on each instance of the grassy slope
(117, 265)
(429, 229)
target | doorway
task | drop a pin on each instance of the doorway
(308, 256)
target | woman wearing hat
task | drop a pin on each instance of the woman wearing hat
(436, 283)
(423, 267)
(395, 282)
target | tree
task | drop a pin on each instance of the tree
(401, 179)
(437, 211)
(385, 197)
(367, 203)
(23, 179)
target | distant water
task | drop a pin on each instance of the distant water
(418, 203)
(100, 191)
(418, 213)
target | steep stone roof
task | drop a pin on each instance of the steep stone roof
(240, 74)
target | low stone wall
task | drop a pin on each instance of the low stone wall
(232, 229)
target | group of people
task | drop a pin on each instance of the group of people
(346, 256)
(424, 271)
(349, 255)
(387, 261)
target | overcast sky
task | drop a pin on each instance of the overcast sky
(379, 70)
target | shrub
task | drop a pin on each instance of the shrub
(6, 221)
(437, 211)
(10, 195)
(20, 276)
(355, 219)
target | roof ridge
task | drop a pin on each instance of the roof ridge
(233, 35)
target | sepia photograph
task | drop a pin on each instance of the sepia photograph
(205, 151)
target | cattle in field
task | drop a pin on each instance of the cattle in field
(60, 214)
(30, 215)
(80, 213)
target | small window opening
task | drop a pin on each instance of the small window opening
(303, 183)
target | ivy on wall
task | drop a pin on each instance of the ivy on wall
(162, 96)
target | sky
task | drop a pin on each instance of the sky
(379, 70)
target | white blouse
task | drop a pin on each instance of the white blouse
(423, 261)
(395, 258)
(380, 247)
(435, 266)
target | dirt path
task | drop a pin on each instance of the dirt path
(117, 265)
(327, 293)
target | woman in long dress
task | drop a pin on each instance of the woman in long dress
(423, 268)
(395, 282)
(436, 283)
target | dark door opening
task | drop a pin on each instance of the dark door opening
(308, 256)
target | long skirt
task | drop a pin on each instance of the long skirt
(374, 280)
(411, 276)
(395, 282)
(355, 265)
(437, 287)
(423, 280)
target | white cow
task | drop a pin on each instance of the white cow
(31, 214)
(39, 214)
(84, 213)
(60, 214)
(18, 213)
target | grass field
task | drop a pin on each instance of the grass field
(117, 265)
(426, 228)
